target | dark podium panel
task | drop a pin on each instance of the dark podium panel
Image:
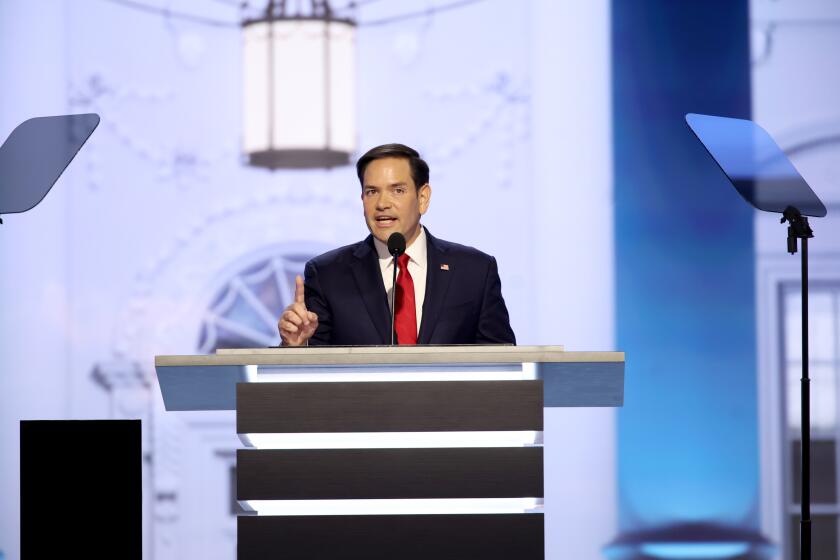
(392, 537)
(346, 474)
(80, 489)
(411, 406)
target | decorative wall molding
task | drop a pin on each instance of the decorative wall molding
(174, 162)
(506, 120)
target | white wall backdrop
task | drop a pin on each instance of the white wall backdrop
(509, 103)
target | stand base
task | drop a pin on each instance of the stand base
(691, 540)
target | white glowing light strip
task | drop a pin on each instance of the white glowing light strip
(395, 507)
(527, 372)
(392, 440)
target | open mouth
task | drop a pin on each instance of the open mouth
(385, 221)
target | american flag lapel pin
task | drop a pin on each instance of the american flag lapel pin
(444, 267)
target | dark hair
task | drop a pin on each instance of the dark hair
(419, 168)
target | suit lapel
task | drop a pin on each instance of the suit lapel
(368, 277)
(437, 283)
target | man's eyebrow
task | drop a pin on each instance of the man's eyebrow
(392, 185)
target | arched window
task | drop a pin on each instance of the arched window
(244, 311)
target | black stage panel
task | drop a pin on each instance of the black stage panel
(392, 537)
(80, 489)
(320, 474)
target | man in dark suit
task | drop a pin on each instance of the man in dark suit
(445, 293)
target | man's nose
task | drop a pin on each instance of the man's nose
(383, 201)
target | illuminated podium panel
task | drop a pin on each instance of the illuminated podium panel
(381, 452)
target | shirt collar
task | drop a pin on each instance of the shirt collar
(416, 251)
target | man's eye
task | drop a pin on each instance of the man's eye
(369, 192)
(399, 190)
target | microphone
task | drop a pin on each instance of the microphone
(396, 246)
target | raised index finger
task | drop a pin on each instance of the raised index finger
(298, 289)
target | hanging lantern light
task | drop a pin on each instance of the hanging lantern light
(299, 87)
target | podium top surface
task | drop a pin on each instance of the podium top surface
(208, 382)
(359, 355)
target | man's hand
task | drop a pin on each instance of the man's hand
(297, 324)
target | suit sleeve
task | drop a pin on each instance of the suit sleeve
(494, 322)
(317, 303)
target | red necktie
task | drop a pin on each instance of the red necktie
(405, 314)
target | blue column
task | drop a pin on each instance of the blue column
(687, 435)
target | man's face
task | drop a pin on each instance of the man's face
(391, 201)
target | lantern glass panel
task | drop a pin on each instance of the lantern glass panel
(342, 89)
(300, 119)
(255, 92)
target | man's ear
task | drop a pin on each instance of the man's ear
(424, 196)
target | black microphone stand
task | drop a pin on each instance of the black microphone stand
(396, 246)
(393, 301)
(798, 228)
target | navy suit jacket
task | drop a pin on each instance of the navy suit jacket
(463, 302)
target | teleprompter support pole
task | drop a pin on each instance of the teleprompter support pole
(798, 228)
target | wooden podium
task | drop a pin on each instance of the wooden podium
(414, 452)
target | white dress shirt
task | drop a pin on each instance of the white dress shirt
(417, 267)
